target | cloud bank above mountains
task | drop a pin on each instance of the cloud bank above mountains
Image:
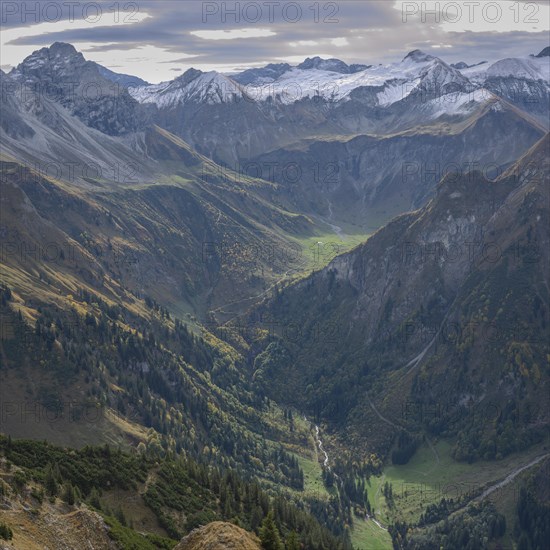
(158, 40)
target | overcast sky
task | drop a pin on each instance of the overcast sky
(158, 40)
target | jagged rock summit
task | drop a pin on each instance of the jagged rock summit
(331, 65)
(419, 56)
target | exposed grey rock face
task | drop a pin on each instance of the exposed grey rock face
(524, 82)
(544, 53)
(415, 308)
(124, 80)
(427, 109)
(63, 75)
(273, 71)
(238, 118)
(460, 65)
(11, 120)
(532, 96)
(418, 56)
(42, 128)
(333, 65)
(188, 76)
(357, 67)
(369, 179)
(266, 74)
(422, 90)
(439, 79)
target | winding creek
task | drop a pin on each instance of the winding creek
(327, 466)
(321, 448)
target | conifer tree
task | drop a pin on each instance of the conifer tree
(94, 499)
(292, 542)
(269, 534)
(68, 495)
(50, 482)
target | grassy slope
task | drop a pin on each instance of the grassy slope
(424, 481)
(366, 535)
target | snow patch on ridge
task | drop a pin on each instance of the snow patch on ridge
(298, 83)
(211, 88)
(460, 103)
(531, 68)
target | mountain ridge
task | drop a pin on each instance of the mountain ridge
(376, 300)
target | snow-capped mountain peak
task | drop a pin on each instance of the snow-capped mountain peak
(438, 77)
(530, 68)
(422, 80)
(193, 86)
(334, 80)
(426, 77)
(518, 68)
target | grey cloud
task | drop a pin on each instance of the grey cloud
(170, 25)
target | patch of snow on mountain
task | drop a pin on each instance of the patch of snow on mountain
(394, 92)
(211, 88)
(417, 72)
(531, 68)
(460, 103)
(297, 83)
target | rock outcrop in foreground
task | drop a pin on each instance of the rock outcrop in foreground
(219, 536)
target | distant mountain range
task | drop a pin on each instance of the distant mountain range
(331, 79)
(342, 123)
